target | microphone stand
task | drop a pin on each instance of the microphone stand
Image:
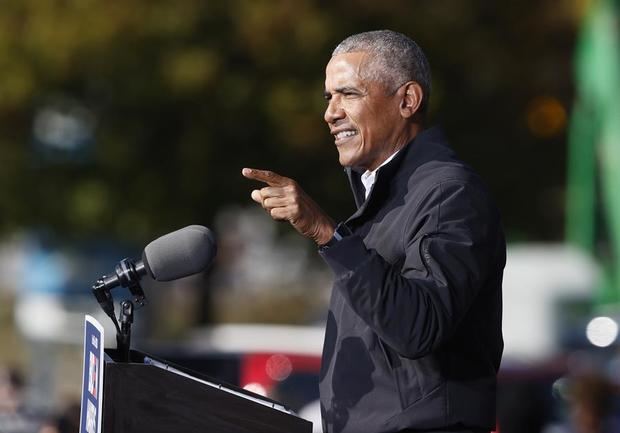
(123, 338)
(102, 291)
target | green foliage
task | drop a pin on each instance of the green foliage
(187, 93)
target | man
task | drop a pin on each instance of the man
(413, 339)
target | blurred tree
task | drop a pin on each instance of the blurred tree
(130, 119)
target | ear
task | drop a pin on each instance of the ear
(411, 100)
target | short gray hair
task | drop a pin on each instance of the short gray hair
(395, 59)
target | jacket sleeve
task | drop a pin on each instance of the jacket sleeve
(450, 246)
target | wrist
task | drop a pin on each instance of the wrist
(326, 234)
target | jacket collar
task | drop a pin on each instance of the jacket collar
(424, 147)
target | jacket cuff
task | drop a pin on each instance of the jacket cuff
(345, 256)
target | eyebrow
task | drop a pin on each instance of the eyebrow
(345, 89)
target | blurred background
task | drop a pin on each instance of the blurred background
(123, 121)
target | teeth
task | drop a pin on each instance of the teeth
(345, 134)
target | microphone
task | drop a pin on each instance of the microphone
(184, 252)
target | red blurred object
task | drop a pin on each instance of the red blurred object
(267, 369)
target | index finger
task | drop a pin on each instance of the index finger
(269, 177)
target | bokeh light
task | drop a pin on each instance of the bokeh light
(602, 331)
(546, 117)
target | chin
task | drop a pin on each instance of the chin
(346, 160)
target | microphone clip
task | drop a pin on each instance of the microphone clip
(127, 273)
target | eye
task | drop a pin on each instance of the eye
(351, 94)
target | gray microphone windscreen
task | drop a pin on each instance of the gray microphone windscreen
(184, 252)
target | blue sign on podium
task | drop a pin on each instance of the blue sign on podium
(92, 377)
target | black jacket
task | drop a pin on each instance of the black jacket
(413, 337)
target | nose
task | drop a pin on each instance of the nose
(334, 111)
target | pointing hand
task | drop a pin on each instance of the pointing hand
(284, 199)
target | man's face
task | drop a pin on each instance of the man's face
(364, 119)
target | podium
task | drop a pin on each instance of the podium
(147, 395)
(126, 391)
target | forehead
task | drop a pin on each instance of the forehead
(345, 68)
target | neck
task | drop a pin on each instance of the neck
(410, 131)
(414, 128)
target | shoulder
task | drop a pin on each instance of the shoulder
(429, 161)
(449, 194)
(440, 177)
(432, 173)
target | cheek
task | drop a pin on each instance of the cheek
(360, 121)
(355, 111)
